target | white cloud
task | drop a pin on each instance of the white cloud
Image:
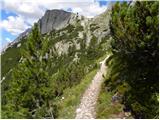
(36, 8)
(29, 11)
(90, 10)
(14, 25)
(25, 9)
(77, 9)
(8, 40)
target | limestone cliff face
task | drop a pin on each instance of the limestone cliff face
(54, 19)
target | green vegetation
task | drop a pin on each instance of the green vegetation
(72, 96)
(41, 83)
(38, 81)
(95, 50)
(10, 58)
(93, 27)
(133, 68)
(30, 91)
(105, 108)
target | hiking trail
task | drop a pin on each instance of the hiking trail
(86, 109)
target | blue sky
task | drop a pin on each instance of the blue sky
(5, 35)
(18, 15)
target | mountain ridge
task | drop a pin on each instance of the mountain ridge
(80, 27)
(54, 19)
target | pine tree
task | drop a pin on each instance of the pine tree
(31, 89)
(134, 28)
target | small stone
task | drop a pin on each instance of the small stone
(62, 98)
(3, 78)
(78, 110)
(19, 45)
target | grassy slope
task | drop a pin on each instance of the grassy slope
(10, 58)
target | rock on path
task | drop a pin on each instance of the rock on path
(86, 109)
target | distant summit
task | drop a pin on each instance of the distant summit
(54, 19)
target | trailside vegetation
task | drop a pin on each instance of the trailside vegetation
(134, 66)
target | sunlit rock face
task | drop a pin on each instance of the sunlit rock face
(54, 19)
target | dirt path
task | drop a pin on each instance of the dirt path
(86, 109)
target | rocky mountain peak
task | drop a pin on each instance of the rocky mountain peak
(54, 19)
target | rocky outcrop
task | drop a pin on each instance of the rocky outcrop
(54, 19)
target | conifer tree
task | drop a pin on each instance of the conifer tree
(31, 89)
(134, 28)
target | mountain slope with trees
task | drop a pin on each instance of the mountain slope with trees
(45, 65)
(44, 75)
